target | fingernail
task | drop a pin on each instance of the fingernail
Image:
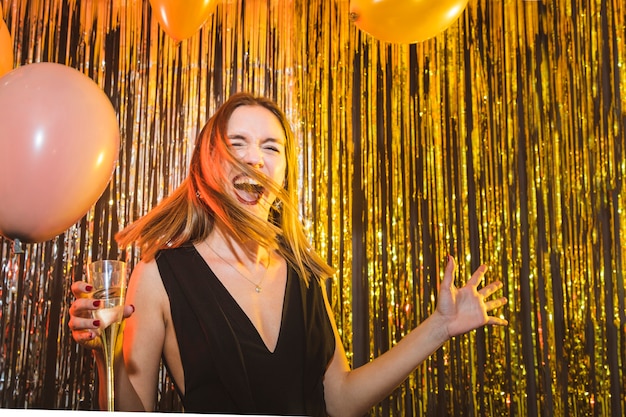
(96, 303)
(133, 307)
(96, 323)
(88, 288)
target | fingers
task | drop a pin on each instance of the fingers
(84, 327)
(485, 292)
(81, 314)
(84, 330)
(497, 321)
(490, 289)
(84, 307)
(497, 303)
(493, 304)
(80, 324)
(84, 336)
(477, 276)
(81, 289)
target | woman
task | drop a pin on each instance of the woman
(229, 291)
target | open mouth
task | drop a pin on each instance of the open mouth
(248, 190)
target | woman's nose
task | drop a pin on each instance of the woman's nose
(253, 156)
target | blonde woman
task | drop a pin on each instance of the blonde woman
(229, 290)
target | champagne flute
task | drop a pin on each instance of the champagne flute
(108, 278)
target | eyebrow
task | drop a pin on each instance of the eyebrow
(279, 141)
(237, 136)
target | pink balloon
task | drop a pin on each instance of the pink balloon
(59, 143)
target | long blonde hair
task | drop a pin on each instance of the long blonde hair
(189, 214)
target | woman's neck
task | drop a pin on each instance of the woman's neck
(228, 247)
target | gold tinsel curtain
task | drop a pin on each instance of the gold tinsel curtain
(500, 141)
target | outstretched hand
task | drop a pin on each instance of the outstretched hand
(467, 308)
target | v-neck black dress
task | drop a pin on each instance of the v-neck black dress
(227, 366)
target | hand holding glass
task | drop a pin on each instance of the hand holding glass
(108, 279)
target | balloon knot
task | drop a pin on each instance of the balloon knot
(17, 247)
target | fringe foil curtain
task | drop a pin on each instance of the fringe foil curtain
(500, 141)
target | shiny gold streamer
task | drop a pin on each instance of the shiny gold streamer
(499, 141)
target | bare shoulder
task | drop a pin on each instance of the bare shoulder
(146, 272)
(145, 286)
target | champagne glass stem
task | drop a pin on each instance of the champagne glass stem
(109, 340)
(110, 385)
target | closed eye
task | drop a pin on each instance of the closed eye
(237, 141)
(269, 144)
(273, 145)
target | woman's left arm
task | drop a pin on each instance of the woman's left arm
(353, 393)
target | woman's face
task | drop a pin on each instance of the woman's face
(257, 138)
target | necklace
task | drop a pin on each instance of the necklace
(257, 287)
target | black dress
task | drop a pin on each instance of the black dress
(227, 366)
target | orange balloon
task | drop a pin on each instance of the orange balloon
(59, 144)
(6, 47)
(405, 21)
(182, 19)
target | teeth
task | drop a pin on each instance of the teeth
(248, 185)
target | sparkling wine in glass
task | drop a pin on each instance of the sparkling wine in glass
(108, 279)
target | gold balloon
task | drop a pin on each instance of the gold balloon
(6, 47)
(182, 19)
(405, 21)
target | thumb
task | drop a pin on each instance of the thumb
(129, 310)
(448, 276)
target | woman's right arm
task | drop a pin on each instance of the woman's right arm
(137, 364)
